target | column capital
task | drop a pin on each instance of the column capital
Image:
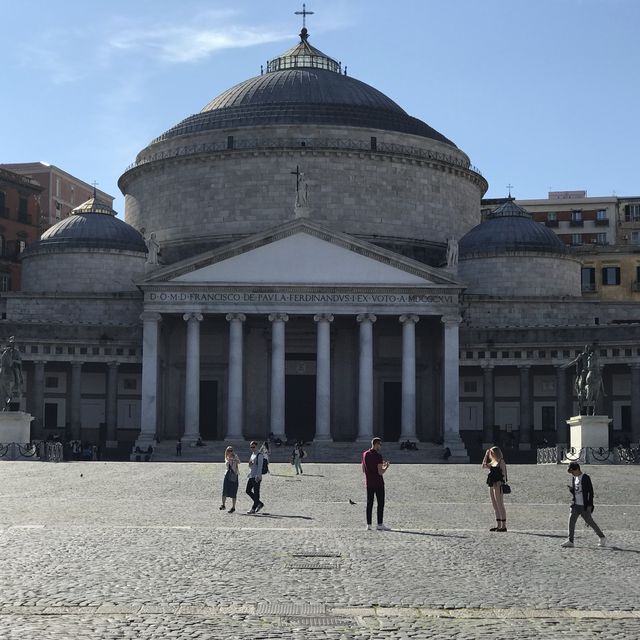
(366, 317)
(113, 364)
(235, 316)
(278, 317)
(450, 319)
(76, 364)
(634, 365)
(192, 316)
(150, 316)
(487, 366)
(409, 317)
(524, 366)
(327, 317)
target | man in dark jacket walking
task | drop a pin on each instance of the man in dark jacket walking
(582, 504)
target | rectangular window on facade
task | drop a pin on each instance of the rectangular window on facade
(601, 238)
(610, 276)
(23, 205)
(588, 278)
(576, 238)
(549, 418)
(601, 214)
(635, 237)
(130, 384)
(470, 386)
(552, 216)
(51, 382)
(576, 216)
(58, 187)
(3, 204)
(5, 282)
(638, 273)
(632, 212)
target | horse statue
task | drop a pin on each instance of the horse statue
(10, 374)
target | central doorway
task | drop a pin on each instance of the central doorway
(209, 409)
(392, 411)
(300, 407)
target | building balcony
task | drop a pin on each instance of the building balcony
(551, 223)
(602, 222)
(576, 223)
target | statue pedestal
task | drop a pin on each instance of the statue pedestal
(15, 426)
(588, 432)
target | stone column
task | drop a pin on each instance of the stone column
(149, 404)
(323, 376)
(408, 420)
(635, 403)
(235, 416)
(38, 397)
(76, 422)
(365, 377)
(488, 406)
(277, 374)
(451, 378)
(192, 379)
(112, 402)
(562, 414)
(525, 407)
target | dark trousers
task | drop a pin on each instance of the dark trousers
(253, 491)
(378, 493)
(578, 511)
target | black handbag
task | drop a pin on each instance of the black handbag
(506, 488)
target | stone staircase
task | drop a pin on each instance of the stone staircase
(322, 452)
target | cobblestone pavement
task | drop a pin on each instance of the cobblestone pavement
(119, 550)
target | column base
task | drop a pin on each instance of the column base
(190, 440)
(457, 450)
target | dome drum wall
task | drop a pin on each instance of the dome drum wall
(81, 270)
(362, 192)
(522, 274)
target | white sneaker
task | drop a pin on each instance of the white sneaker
(382, 527)
(603, 542)
(368, 528)
(567, 544)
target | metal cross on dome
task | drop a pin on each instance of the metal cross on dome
(304, 13)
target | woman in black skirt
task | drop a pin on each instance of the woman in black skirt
(494, 461)
(231, 477)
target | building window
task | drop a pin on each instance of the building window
(5, 282)
(588, 278)
(23, 209)
(131, 384)
(632, 212)
(610, 276)
(3, 246)
(552, 216)
(3, 204)
(576, 238)
(635, 237)
(576, 216)
(548, 418)
(51, 382)
(57, 187)
(601, 238)
(601, 214)
(21, 245)
(470, 386)
(58, 210)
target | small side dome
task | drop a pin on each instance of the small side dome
(93, 224)
(507, 229)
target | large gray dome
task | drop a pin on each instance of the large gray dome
(508, 229)
(303, 86)
(93, 224)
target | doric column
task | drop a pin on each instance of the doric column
(488, 406)
(562, 429)
(323, 376)
(408, 420)
(112, 402)
(525, 407)
(235, 398)
(192, 379)
(365, 377)
(149, 404)
(635, 403)
(452, 439)
(76, 422)
(38, 397)
(277, 373)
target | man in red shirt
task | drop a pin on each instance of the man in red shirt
(374, 467)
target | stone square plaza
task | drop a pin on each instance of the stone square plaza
(125, 550)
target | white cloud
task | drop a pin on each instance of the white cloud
(190, 43)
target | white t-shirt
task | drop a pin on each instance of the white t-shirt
(577, 487)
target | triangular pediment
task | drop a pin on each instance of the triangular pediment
(302, 253)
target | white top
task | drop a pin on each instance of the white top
(577, 487)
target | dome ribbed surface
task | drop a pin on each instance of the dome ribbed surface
(93, 224)
(508, 229)
(303, 96)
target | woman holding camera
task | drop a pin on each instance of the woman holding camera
(494, 461)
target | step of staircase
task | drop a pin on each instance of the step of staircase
(321, 452)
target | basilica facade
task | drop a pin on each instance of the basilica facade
(304, 258)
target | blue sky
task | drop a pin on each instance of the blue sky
(541, 94)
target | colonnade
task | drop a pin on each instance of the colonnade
(151, 335)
